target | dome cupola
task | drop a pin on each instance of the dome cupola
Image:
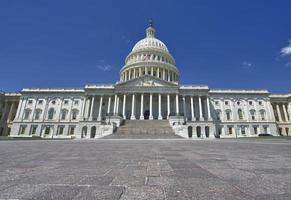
(150, 56)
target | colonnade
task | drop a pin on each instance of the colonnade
(129, 102)
(282, 112)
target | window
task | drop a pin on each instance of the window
(218, 113)
(216, 102)
(37, 114)
(76, 102)
(53, 102)
(250, 103)
(228, 115)
(60, 130)
(265, 129)
(40, 102)
(51, 113)
(22, 129)
(255, 130)
(27, 113)
(263, 115)
(33, 130)
(64, 114)
(75, 114)
(240, 114)
(253, 114)
(71, 130)
(243, 130)
(260, 103)
(226, 102)
(238, 103)
(230, 130)
(29, 101)
(66, 102)
(47, 130)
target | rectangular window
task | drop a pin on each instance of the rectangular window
(255, 130)
(226, 102)
(71, 130)
(230, 130)
(47, 130)
(33, 130)
(29, 101)
(60, 130)
(22, 129)
(76, 102)
(40, 102)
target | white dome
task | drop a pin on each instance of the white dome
(150, 43)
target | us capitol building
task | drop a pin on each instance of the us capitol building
(148, 91)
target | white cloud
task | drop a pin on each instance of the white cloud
(247, 65)
(286, 50)
(103, 66)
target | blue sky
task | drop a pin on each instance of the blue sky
(224, 44)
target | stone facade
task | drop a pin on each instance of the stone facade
(149, 89)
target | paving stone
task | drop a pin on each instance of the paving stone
(143, 193)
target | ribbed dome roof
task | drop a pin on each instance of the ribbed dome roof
(150, 43)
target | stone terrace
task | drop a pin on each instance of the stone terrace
(146, 169)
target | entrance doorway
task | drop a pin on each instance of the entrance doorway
(93, 132)
(198, 131)
(146, 114)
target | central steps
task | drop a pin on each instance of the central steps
(145, 129)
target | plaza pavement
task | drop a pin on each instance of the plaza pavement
(146, 169)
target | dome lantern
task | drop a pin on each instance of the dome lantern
(150, 30)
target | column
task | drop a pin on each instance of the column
(117, 105)
(168, 105)
(151, 107)
(100, 108)
(279, 112)
(134, 73)
(160, 107)
(208, 109)
(285, 112)
(158, 72)
(141, 107)
(129, 74)
(140, 72)
(192, 110)
(168, 75)
(87, 109)
(289, 111)
(109, 105)
(83, 109)
(114, 106)
(60, 114)
(164, 74)
(45, 109)
(10, 112)
(177, 104)
(152, 71)
(200, 110)
(184, 107)
(132, 108)
(91, 109)
(123, 107)
(18, 109)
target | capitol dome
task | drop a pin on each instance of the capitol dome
(150, 56)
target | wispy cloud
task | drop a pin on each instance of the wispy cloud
(103, 66)
(285, 51)
(247, 65)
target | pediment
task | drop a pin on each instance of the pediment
(146, 81)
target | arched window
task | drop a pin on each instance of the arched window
(64, 114)
(51, 113)
(263, 114)
(27, 113)
(228, 115)
(37, 114)
(253, 114)
(75, 114)
(240, 114)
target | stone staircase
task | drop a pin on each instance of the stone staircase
(143, 129)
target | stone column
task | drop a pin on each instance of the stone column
(100, 108)
(44, 112)
(279, 112)
(139, 74)
(152, 71)
(134, 73)
(192, 110)
(129, 74)
(141, 108)
(83, 109)
(117, 105)
(168, 75)
(208, 109)
(92, 108)
(289, 111)
(164, 74)
(151, 107)
(132, 108)
(200, 110)
(60, 114)
(160, 107)
(177, 104)
(109, 105)
(168, 105)
(18, 109)
(10, 112)
(285, 113)
(158, 72)
(114, 106)
(123, 107)
(184, 107)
